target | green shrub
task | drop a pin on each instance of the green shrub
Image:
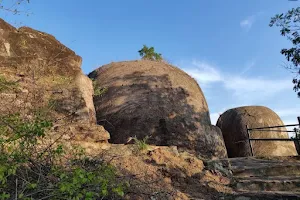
(149, 54)
(29, 170)
(141, 144)
(34, 166)
(97, 90)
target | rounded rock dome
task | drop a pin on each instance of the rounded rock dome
(155, 100)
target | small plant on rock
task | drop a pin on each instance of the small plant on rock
(97, 90)
(141, 144)
(149, 54)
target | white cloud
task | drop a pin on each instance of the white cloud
(290, 120)
(249, 65)
(288, 112)
(289, 116)
(255, 88)
(246, 89)
(248, 22)
(203, 72)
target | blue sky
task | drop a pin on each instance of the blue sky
(226, 45)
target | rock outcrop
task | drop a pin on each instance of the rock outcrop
(164, 173)
(44, 74)
(154, 99)
(233, 125)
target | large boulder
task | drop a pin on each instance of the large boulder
(155, 100)
(233, 124)
(40, 75)
(43, 66)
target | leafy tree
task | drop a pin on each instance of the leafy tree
(290, 27)
(149, 54)
(13, 7)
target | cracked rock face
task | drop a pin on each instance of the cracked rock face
(233, 125)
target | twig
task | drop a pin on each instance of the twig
(16, 189)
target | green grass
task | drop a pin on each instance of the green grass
(7, 85)
(141, 144)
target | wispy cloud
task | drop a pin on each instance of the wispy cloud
(288, 121)
(288, 112)
(248, 67)
(242, 87)
(255, 88)
(289, 116)
(248, 22)
(203, 72)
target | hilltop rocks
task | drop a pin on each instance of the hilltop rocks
(233, 125)
(154, 99)
(45, 78)
(45, 68)
(28, 51)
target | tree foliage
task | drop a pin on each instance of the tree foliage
(13, 6)
(34, 166)
(149, 54)
(29, 170)
(290, 27)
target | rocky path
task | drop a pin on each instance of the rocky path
(265, 178)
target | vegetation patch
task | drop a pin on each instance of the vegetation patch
(29, 169)
(6, 85)
(149, 54)
(98, 91)
(34, 165)
(141, 144)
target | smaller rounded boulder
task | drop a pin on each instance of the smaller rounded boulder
(233, 124)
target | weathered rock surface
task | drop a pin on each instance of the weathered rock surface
(147, 98)
(233, 125)
(39, 58)
(158, 172)
(45, 77)
(31, 52)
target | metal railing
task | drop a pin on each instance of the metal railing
(269, 128)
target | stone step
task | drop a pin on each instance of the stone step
(254, 162)
(288, 169)
(257, 178)
(278, 183)
(264, 195)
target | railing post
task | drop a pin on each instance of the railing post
(297, 136)
(249, 139)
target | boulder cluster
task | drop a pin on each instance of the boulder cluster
(142, 99)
